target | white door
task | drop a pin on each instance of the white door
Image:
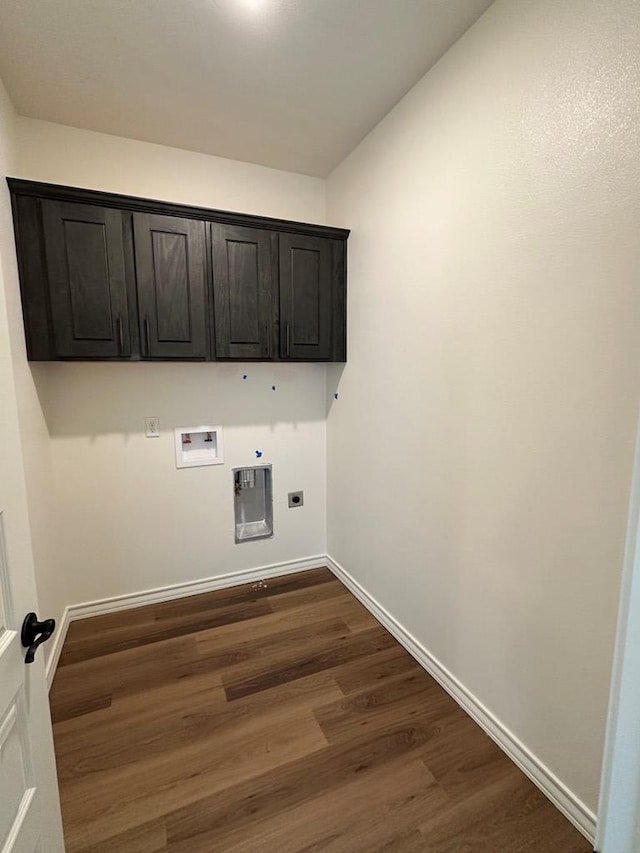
(29, 805)
(619, 809)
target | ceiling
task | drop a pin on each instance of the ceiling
(293, 84)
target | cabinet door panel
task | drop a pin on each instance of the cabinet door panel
(305, 297)
(172, 293)
(244, 282)
(85, 266)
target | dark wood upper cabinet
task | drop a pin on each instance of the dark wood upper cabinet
(305, 297)
(170, 262)
(84, 259)
(107, 276)
(312, 299)
(245, 291)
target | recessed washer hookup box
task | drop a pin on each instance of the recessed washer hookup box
(200, 445)
(253, 503)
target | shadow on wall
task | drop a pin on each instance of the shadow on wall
(92, 399)
(334, 375)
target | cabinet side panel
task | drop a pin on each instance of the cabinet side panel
(33, 278)
(339, 300)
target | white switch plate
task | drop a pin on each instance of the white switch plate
(152, 427)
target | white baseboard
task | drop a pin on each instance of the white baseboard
(168, 593)
(565, 800)
(56, 647)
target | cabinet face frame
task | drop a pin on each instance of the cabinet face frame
(39, 327)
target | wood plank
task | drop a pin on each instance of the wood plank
(413, 697)
(278, 620)
(127, 637)
(128, 736)
(347, 819)
(311, 582)
(111, 632)
(358, 675)
(128, 671)
(218, 817)
(461, 762)
(113, 801)
(266, 650)
(128, 706)
(315, 657)
(501, 816)
(285, 600)
(70, 706)
(146, 838)
(283, 719)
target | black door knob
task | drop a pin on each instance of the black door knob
(35, 633)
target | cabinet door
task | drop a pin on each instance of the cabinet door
(172, 294)
(305, 297)
(84, 252)
(244, 287)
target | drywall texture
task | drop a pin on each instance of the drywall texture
(128, 520)
(480, 450)
(34, 437)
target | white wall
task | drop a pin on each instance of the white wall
(127, 519)
(17, 529)
(132, 521)
(67, 155)
(34, 435)
(493, 379)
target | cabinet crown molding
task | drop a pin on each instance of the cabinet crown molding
(37, 189)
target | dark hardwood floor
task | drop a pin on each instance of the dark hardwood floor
(280, 719)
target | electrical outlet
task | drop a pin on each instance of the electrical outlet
(296, 499)
(152, 427)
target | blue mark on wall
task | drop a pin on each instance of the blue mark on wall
(258, 454)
